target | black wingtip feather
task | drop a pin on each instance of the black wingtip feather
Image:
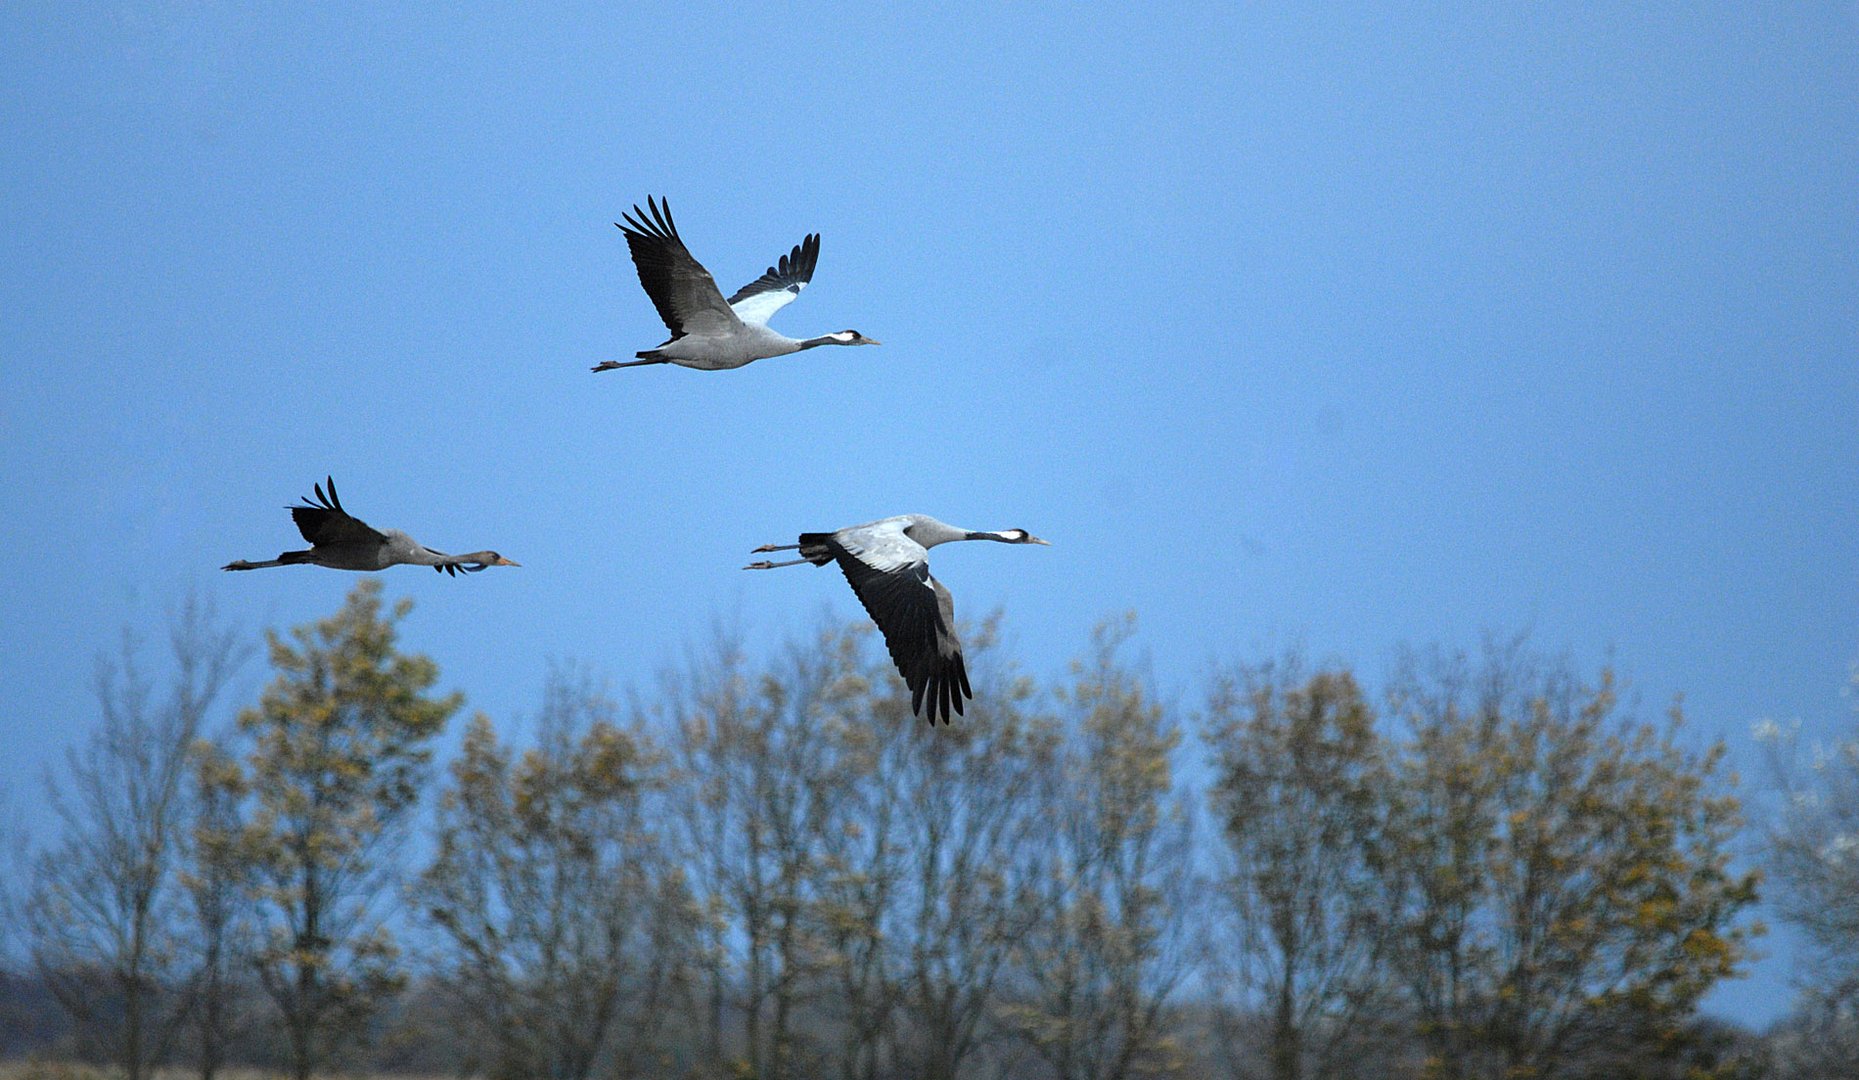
(655, 224)
(661, 211)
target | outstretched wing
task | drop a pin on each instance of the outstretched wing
(776, 289)
(890, 574)
(683, 291)
(322, 521)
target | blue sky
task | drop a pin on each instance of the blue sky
(1350, 327)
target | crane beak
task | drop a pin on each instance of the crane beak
(871, 341)
(1037, 540)
(501, 561)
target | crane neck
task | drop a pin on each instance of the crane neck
(425, 556)
(839, 338)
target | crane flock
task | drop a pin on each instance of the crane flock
(885, 561)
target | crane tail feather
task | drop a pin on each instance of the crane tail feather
(816, 548)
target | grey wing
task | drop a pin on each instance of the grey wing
(774, 290)
(324, 523)
(684, 293)
(916, 615)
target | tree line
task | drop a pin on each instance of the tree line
(1487, 867)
